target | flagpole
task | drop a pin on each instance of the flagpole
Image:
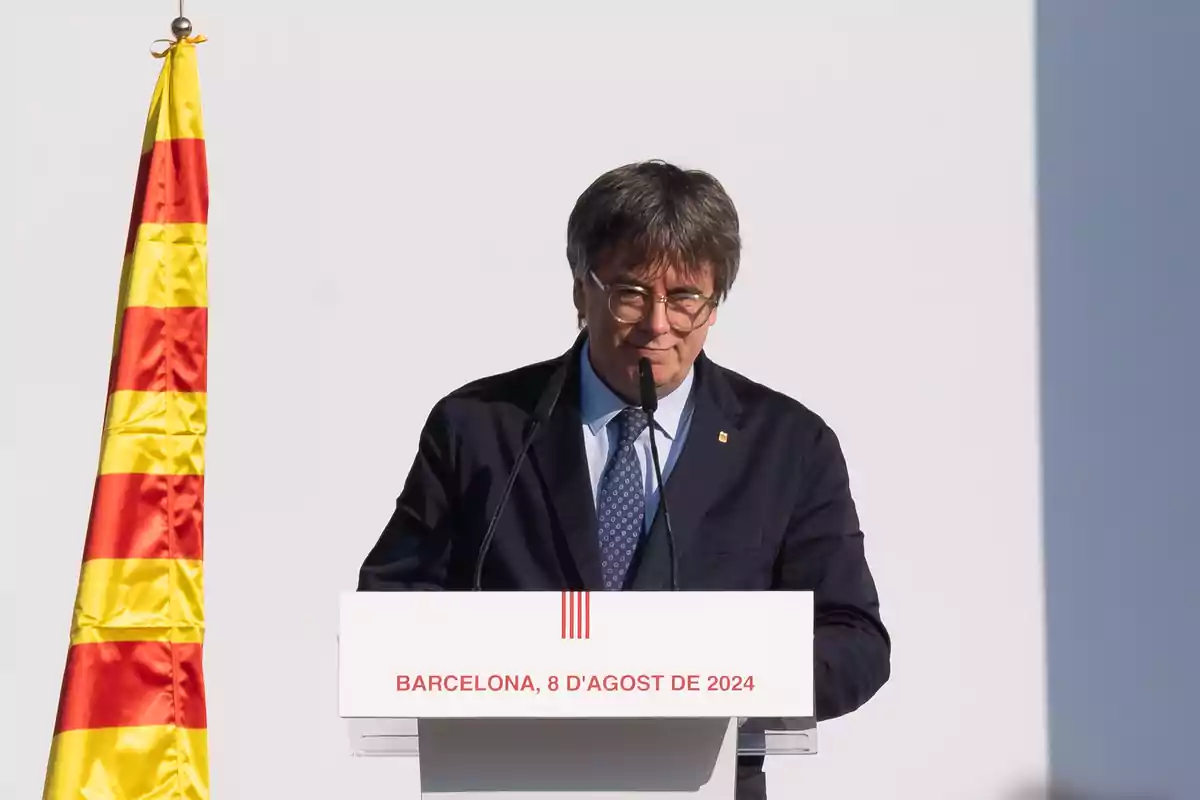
(181, 26)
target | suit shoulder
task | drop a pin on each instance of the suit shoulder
(780, 418)
(516, 390)
(762, 401)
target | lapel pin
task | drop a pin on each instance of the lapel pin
(722, 437)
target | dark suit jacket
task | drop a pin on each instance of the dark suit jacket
(768, 508)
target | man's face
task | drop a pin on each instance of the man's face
(616, 347)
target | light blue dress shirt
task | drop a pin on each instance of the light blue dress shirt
(599, 405)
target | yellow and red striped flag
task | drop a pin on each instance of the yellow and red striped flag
(132, 720)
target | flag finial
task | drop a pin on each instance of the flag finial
(181, 26)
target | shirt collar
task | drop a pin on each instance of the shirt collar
(599, 404)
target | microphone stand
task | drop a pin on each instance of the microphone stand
(649, 397)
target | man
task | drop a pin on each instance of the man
(758, 489)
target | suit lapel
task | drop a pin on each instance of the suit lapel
(558, 456)
(705, 466)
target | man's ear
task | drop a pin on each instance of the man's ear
(577, 296)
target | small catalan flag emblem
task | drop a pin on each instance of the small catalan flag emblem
(576, 615)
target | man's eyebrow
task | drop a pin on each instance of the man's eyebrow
(631, 279)
(627, 279)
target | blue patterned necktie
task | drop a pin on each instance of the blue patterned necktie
(621, 503)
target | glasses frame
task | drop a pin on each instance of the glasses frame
(611, 289)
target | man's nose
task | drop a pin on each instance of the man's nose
(655, 321)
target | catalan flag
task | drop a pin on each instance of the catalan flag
(131, 720)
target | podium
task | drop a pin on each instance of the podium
(573, 695)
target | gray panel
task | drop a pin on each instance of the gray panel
(1119, 132)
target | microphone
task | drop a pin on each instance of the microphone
(541, 415)
(650, 405)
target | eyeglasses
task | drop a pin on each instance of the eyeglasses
(686, 311)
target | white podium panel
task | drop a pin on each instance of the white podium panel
(553, 695)
(576, 654)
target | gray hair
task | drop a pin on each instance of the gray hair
(657, 214)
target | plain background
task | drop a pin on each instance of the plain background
(390, 190)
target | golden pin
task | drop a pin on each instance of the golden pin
(722, 437)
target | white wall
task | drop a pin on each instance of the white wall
(385, 186)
